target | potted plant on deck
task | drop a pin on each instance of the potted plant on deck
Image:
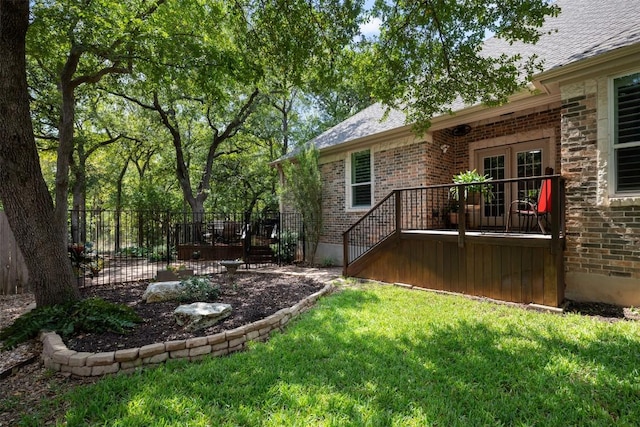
(476, 185)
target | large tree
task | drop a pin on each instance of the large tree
(24, 194)
(73, 45)
(429, 54)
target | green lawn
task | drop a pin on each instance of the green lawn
(385, 356)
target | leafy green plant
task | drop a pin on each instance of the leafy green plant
(329, 262)
(198, 289)
(89, 315)
(478, 185)
(135, 251)
(285, 249)
(159, 253)
(303, 186)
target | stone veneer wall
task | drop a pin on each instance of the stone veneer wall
(602, 257)
(58, 357)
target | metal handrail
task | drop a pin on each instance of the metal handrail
(427, 207)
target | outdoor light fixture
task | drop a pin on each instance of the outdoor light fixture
(461, 130)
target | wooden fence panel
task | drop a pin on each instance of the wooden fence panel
(14, 276)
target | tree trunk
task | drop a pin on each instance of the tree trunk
(23, 191)
(79, 204)
(65, 150)
(123, 171)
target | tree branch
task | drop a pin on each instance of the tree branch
(96, 77)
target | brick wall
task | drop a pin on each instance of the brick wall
(519, 122)
(421, 164)
(413, 165)
(602, 239)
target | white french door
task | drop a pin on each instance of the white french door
(521, 160)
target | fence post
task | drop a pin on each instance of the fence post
(462, 215)
(279, 242)
(246, 243)
(555, 214)
(345, 253)
(168, 238)
(398, 207)
(304, 241)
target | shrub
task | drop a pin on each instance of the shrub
(329, 262)
(285, 249)
(89, 315)
(198, 289)
(134, 251)
(159, 253)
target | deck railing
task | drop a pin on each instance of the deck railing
(519, 207)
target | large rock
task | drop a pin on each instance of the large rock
(163, 291)
(201, 315)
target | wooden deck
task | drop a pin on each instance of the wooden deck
(520, 269)
(523, 267)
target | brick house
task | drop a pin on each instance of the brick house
(582, 120)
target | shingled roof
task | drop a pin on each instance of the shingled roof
(583, 29)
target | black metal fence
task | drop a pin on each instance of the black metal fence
(119, 246)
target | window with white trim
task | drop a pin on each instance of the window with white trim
(626, 142)
(360, 180)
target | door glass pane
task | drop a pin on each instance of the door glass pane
(493, 166)
(528, 164)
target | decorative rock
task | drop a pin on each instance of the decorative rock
(162, 291)
(200, 315)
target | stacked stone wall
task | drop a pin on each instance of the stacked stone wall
(58, 357)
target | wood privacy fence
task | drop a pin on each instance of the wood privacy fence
(14, 275)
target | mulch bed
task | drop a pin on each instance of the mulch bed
(252, 297)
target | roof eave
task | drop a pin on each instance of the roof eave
(612, 61)
(401, 131)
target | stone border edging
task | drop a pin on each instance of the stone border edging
(59, 358)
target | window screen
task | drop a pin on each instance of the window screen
(361, 178)
(627, 133)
